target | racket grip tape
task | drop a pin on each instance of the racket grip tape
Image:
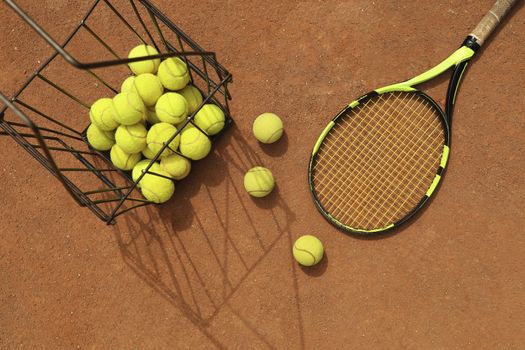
(492, 19)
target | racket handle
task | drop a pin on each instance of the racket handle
(492, 19)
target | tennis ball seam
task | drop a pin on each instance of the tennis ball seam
(170, 72)
(102, 121)
(274, 133)
(195, 140)
(259, 191)
(131, 104)
(212, 125)
(307, 252)
(152, 193)
(132, 134)
(170, 115)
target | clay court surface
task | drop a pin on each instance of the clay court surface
(213, 267)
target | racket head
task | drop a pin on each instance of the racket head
(379, 160)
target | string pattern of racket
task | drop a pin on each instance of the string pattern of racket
(376, 164)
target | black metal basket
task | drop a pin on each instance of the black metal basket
(48, 116)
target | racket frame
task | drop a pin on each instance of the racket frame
(458, 61)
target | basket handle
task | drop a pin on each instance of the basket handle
(89, 65)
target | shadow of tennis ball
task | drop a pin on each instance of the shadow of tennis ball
(276, 149)
(316, 270)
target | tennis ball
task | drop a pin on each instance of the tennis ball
(123, 160)
(129, 108)
(156, 188)
(131, 138)
(149, 88)
(151, 116)
(171, 108)
(259, 182)
(159, 134)
(148, 153)
(308, 250)
(194, 144)
(102, 114)
(128, 85)
(268, 128)
(148, 66)
(210, 118)
(193, 97)
(99, 139)
(181, 124)
(173, 73)
(138, 169)
(177, 166)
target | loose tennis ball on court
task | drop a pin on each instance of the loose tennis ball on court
(156, 188)
(173, 73)
(171, 108)
(177, 166)
(103, 115)
(131, 138)
(194, 144)
(148, 66)
(259, 181)
(141, 166)
(193, 97)
(151, 116)
(268, 128)
(99, 139)
(129, 108)
(123, 160)
(210, 119)
(308, 250)
(148, 153)
(159, 134)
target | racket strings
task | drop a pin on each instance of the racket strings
(377, 162)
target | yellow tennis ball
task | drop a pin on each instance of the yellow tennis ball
(139, 168)
(268, 128)
(171, 108)
(128, 85)
(177, 166)
(151, 116)
(99, 139)
(259, 182)
(193, 97)
(194, 144)
(129, 108)
(173, 73)
(159, 134)
(148, 153)
(102, 114)
(148, 66)
(308, 250)
(131, 138)
(157, 189)
(210, 119)
(123, 160)
(149, 88)
(181, 126)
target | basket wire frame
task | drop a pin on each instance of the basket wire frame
(59, 145)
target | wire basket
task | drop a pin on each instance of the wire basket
(48, 116)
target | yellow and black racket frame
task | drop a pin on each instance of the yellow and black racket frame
(458, 63)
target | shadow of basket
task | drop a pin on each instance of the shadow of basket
(197, 251)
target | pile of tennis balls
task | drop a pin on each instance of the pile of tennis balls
(153, 104)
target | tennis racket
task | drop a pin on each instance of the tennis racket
(381, 158)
